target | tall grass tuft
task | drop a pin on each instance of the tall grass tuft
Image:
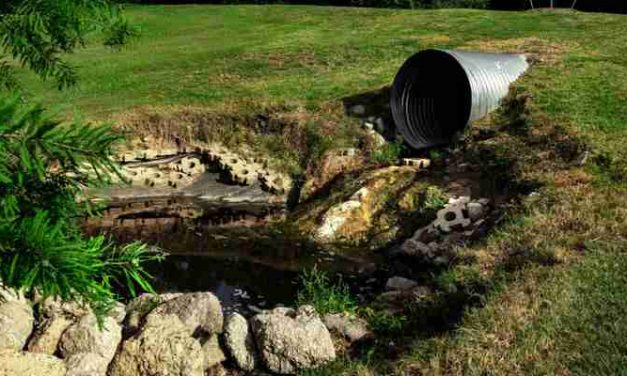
(327, 297)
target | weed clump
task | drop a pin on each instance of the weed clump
(327, 297)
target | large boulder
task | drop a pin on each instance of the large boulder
(361, 214)
(86, 336)
(201, 312)
(14, 363)
(86, 364)
(71, 309)
(138, 308)
(16, 320)
(212, 352)
(163, 347)
(290, 340)
(239, 342)
(47, 336)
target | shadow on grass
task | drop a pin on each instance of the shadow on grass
(512, 153)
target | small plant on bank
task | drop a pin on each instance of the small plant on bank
(389, 153)
(327, 297)
(434, 198)
(383, 322)
(43, 167)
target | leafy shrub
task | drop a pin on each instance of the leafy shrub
(43, 167)
(324, 295)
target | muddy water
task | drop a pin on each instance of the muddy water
(232, 247)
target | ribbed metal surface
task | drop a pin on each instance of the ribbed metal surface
(437, 93)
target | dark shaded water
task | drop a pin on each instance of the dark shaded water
(247, 267)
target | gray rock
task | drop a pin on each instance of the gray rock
(380, 125)
(85, 336)
(201, 312)
(289, 341)
(138, 308)
(239, 342)
(212, 353)
(118, 312)
(86, 364)
(11, 295)
(400, 284)
(46, 338)
(475, 211)
(376, 138)
(352, 328)
(15, 363)
(16, 321)
(358, 109)
(484, 201)
(162, 347)
(55, 307)
(412, 247)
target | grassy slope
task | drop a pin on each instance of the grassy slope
(563, 319)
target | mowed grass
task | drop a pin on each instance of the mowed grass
(562, 309)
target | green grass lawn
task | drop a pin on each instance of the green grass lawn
(564, 319)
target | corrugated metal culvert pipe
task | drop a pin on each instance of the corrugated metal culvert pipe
(437, 93)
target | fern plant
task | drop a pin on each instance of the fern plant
(44, 165)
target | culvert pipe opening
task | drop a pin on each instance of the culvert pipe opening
(437, 93)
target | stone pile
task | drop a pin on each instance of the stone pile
(182, 334)
(460, 220)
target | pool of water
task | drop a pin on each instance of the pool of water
(248, 267)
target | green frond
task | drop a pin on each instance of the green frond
(43, 165)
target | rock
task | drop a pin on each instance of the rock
(14, 363)
(11, 295)
(335, 219)
(219, 370)
(162, 347)
(358, 109)
(239, 342)
(425, 234)
(475, 211)
(201, 312)
(375, 138)
(16, 321)
(86, 364)
(400, 284)
(411, 247)
(290, 340)
(140, 306)
(118, 312)
(53, 307)
(421, 292)
(212, 353)
(85, 336)
(350, 327)
(381, 126)
(46, 337)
